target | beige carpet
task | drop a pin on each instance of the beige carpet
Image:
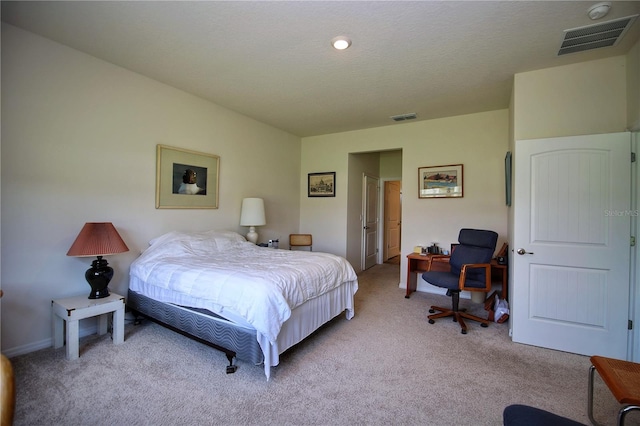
(385, 366)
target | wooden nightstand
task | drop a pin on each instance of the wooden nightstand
(71, 310)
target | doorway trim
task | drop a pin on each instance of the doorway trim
(634, 274)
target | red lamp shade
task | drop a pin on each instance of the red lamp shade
(98, 239)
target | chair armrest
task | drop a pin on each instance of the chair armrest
(437, 258)
(487, 275)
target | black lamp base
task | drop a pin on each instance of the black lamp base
(99, 294)
(98, 277)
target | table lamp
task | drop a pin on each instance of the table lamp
(252, 215)
(98, 239)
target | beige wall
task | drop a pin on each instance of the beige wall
(79, 140)
(633, 88)
(478, 141)
(391, 164)
(580, 99)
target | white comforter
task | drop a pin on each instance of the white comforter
(262, 285)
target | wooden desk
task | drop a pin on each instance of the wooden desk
(623, 380)
(417, 264)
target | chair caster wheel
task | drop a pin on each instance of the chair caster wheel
(464, 332)
(431, 311)
(484, 325)
(431, 321)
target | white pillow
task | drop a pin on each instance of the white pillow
(200, 243)
(227, 239)
(214, 241)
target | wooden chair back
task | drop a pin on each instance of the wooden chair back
(301, 240)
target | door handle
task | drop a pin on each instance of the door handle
(366, 227)
(523, 251)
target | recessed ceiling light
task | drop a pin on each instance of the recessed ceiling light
(599, 10)
(340, 42)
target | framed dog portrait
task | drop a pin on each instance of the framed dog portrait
(186, 179)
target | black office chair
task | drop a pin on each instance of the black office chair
(470, 270)
(524, 415)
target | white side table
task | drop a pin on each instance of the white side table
(71, 310)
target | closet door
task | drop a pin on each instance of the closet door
(571, 244)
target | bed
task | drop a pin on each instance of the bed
(253, 303)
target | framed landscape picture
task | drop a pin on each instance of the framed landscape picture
(440, 181)
(186, 179)
(322, 184)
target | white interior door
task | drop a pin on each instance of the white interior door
(370, 222)
(572, 228)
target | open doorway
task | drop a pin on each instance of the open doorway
(385, 166)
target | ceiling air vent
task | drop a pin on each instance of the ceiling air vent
(403, 117)
(595, 36)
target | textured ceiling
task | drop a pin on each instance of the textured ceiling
(272, 61)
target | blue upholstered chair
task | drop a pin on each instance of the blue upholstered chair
(470, 270)
(523, 415)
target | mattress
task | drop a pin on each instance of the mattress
(282, 296)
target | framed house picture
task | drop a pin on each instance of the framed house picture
(322, 184)
(440, 181)
(186, 179)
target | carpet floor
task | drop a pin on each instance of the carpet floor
(385, 366)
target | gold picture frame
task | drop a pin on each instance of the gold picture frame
(186, 179)
(440, 181)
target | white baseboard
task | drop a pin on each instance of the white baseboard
(45, 343)
(425, 287)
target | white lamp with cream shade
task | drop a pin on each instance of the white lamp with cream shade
(252, 215)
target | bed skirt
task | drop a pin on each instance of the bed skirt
(247, 344)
